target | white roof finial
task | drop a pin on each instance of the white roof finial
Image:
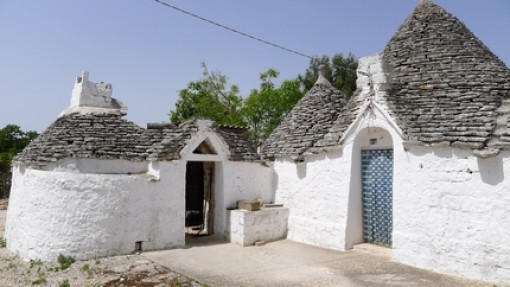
(322, 70)
(322, 75)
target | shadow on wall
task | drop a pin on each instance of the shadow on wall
(301, 170)
(491, 170)
(443, 152)
(274, 184)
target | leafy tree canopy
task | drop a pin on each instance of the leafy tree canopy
(12, 141)
(339, 70)
(212, 98)
(264, 108)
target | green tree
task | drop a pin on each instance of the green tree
(265, 108)
(212, 98)
(12, 141)
(339, 70)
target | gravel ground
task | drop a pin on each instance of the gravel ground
(117, 271)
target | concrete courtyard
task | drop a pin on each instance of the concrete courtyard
(287, 263)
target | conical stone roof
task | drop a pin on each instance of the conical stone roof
(307, 123)
(447, 87)
(87, 136)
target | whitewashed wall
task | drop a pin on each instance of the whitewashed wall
(316, 193)
(242, 180)
(93, 215)
(452, 212)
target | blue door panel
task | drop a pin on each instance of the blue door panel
(377, 186)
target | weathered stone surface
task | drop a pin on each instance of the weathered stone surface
(169, 139)
(446, 84)
(100, 136)
(307, 123)
(109, 136)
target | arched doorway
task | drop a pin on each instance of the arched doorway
(370, 209)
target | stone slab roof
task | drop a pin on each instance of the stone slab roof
(108, 136)
(240, 147)
(307, 123)
(99, 136)
(169, 139)
(446, 85)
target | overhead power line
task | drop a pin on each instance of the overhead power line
(232, 29)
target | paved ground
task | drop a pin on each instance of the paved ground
(286, 263)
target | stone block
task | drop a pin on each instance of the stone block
(249, 206)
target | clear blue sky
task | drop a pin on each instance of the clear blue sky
(149, 52)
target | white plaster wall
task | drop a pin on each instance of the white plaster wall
(316, 192)
(93, 215)
(248, 180)
(451, 212)
(242, 180)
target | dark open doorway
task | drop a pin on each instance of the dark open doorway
(199, 199)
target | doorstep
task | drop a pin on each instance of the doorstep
(374, 249)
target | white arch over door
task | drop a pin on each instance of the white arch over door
(368, 138)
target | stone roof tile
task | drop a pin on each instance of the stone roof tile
(307, 123)
(446, 84)
(109, 136)
(99, 136)
(446, 88)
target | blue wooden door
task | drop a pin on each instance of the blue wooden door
(377, 188)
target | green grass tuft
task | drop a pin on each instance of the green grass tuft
(65, 261)
(39, 281)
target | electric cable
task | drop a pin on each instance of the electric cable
(232, 29)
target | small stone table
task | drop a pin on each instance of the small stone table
(266, 224)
